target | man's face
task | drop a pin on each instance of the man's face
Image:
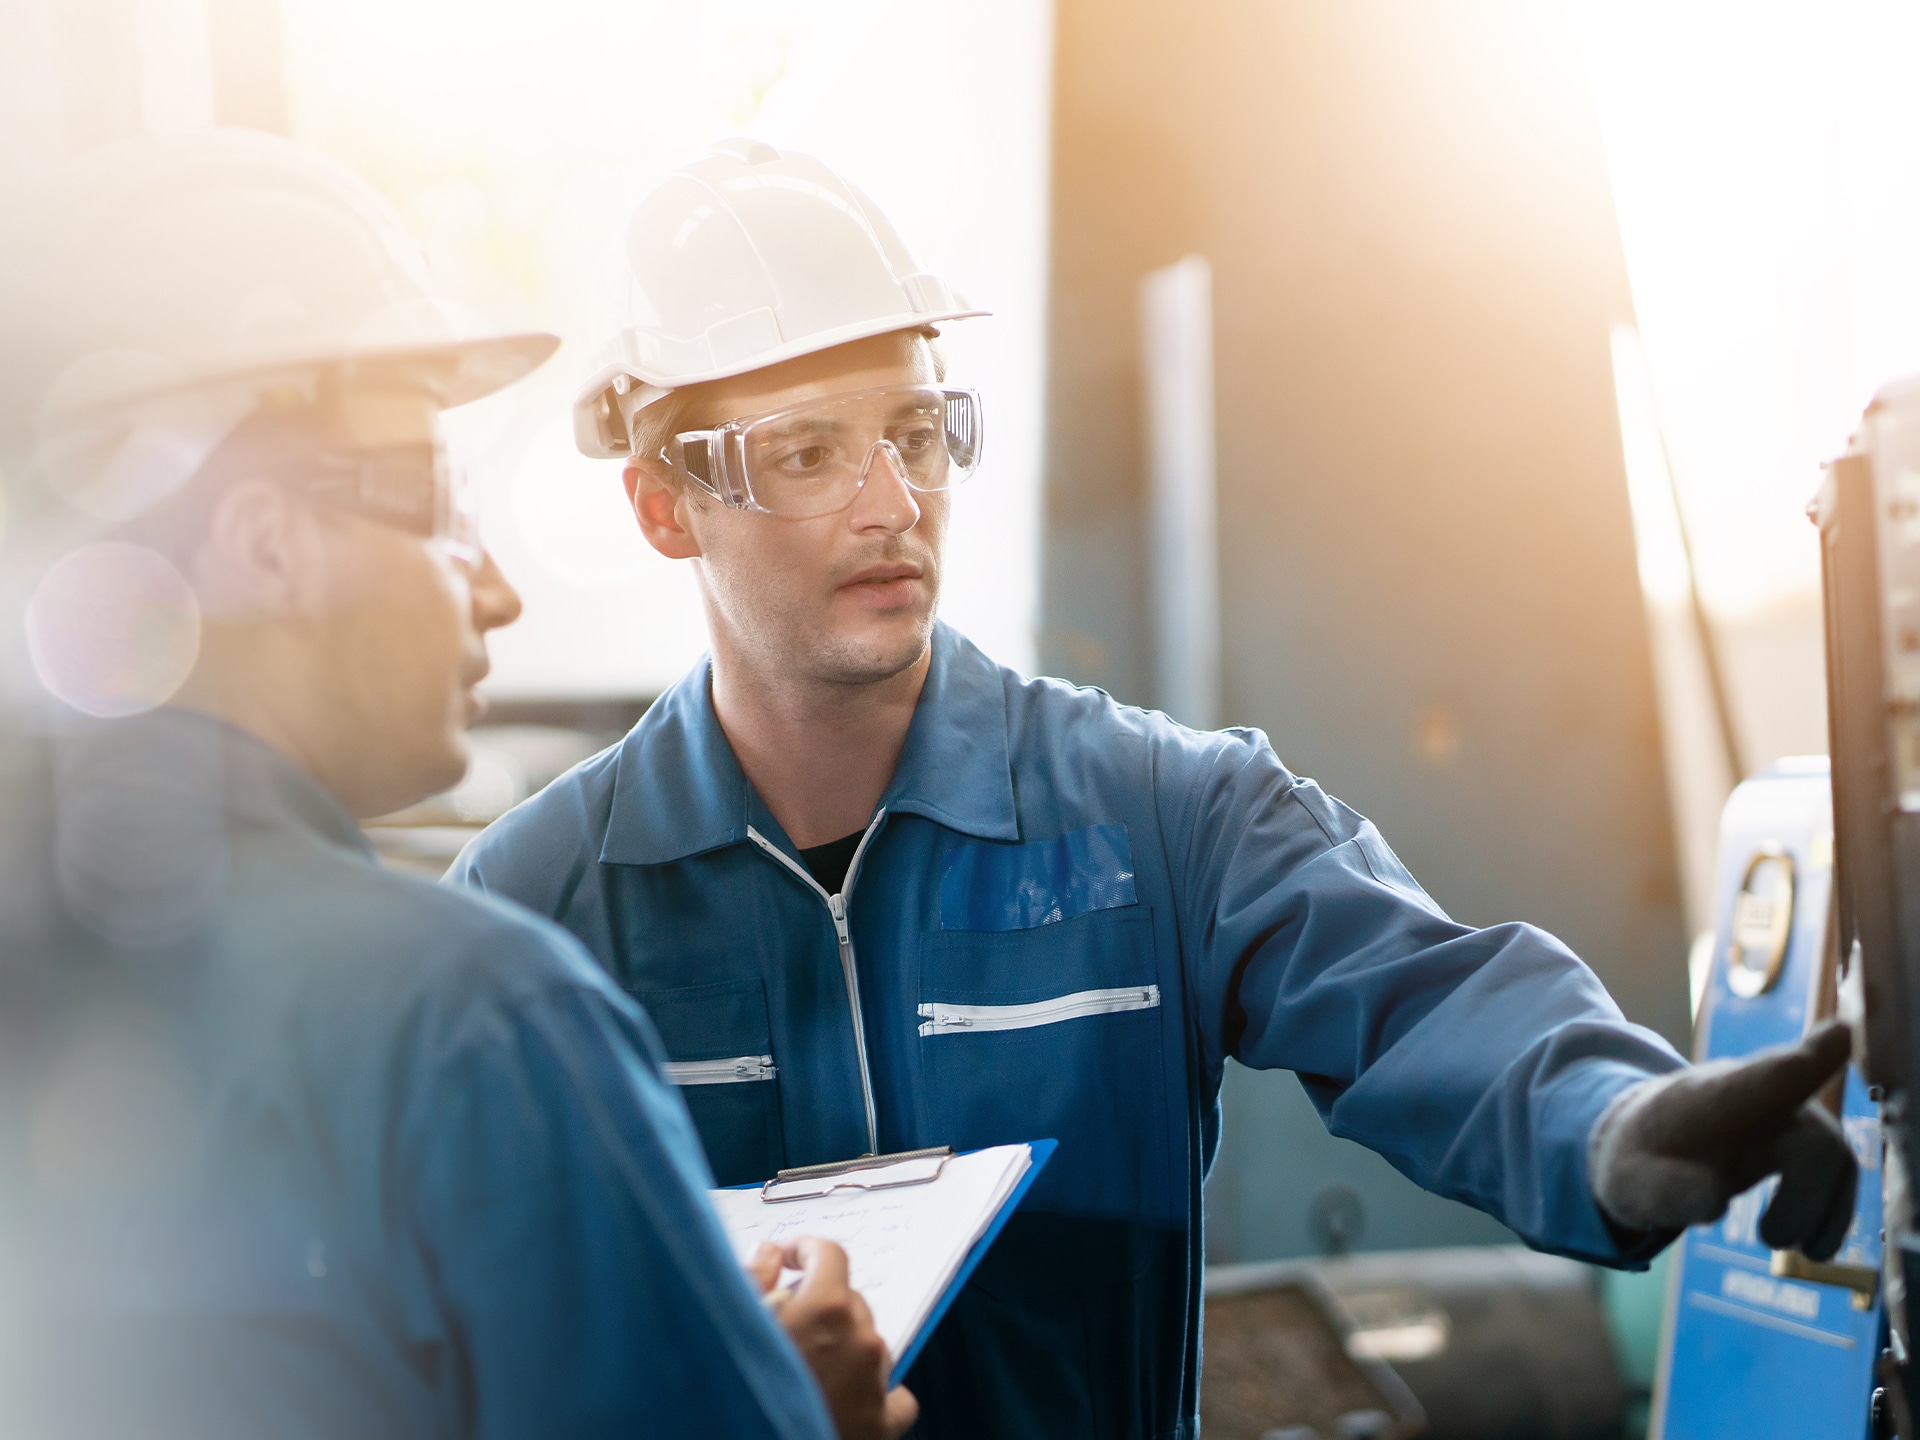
(349, 639)
(402, 646)
(845, 598)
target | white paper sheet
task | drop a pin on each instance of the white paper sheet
(903, 1245)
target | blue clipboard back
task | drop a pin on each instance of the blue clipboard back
(1042, 1152)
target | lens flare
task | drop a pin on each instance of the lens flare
(113, 629)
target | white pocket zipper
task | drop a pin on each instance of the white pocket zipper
(943, 1019)
(721, 1072)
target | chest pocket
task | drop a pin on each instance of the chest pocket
(1041, 1014)
(716, 1037)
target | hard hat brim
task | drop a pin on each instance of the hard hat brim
(454, 372)
(457, 371)
(482, 367)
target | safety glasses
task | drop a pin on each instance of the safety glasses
(418, 488)
(813, 459)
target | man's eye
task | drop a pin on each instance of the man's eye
(916, 442)
(807, 460)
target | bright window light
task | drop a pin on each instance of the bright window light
(1765, 160)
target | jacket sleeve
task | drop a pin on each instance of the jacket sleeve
(1475, 1061)
(557, 1188)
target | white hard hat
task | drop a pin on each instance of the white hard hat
(192, 262)
(744, 257)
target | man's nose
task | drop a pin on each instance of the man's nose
(885, 502)
(495, 601)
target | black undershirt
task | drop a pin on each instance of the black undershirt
(828, 863)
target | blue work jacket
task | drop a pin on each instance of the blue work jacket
(339, 1152)
(1065, 916)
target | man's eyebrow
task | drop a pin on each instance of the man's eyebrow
(835, 422)
(801, 425)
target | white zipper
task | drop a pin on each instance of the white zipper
(849, 968)
(721, 1072)
(943, 1019)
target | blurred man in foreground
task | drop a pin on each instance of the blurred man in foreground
(294, 1145)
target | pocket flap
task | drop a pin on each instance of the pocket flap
(1022, 887)
(724, 1020)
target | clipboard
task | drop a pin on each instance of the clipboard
(1042, 1152)
(810, 1182)
(847, 1174)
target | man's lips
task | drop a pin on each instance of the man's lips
(882, 586)
(476, 703)
(882, 574)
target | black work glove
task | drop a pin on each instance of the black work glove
(1672, 1152)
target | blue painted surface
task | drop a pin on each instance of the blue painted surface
(1749, 1354)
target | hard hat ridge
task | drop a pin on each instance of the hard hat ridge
(742, 258)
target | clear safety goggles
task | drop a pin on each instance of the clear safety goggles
(813, 459)
(419, 488)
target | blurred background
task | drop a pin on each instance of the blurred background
(1437, 387)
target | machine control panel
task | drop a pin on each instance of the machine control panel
(1762, 1343)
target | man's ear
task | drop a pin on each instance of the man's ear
(259, 558)
(661, 507)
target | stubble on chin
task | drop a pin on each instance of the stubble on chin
(878, 655)
(851, 661)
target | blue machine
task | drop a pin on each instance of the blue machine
(1760, 1343)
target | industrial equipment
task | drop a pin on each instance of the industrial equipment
(1815, 921)
(1868, 511)
(1763, 1343)
(1475, 1342)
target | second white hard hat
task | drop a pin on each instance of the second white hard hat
(159, 284)
(742, 258)
(225, 252)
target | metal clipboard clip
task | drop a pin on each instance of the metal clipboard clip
(811, 1182)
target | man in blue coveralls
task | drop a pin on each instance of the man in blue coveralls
(290, 1144)
(878, 892)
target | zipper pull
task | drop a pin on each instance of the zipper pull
(837, 907)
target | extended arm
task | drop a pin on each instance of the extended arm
(1488, 1065)
(1475, 1061)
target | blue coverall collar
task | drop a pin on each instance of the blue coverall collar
(955, 769)
(678, 790)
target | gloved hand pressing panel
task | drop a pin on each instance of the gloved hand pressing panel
(1672, 1152)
